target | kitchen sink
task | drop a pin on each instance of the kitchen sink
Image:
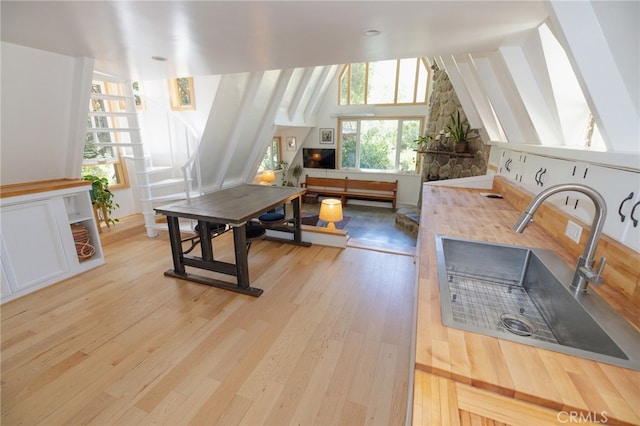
(522, 294)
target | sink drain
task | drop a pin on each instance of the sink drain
(517, 324)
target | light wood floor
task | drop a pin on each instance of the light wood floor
(328, 342)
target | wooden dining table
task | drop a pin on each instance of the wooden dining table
(234, 206)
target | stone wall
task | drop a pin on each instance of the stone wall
(445, 164)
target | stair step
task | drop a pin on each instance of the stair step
(164, 183)
(151, 170)
(171, 197)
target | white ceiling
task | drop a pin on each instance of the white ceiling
(218, 37)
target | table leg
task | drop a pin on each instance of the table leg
(297, 233)
(176, 244)
(205, 240)
(242, 261)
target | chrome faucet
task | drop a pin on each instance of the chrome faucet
(584, 273)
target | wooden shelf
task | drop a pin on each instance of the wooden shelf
(449, 153)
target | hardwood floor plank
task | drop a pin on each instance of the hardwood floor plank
(328, 342)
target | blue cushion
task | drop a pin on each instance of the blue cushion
(271, 217)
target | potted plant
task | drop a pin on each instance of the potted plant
(459, 131)
(423, 142)
(102, 198)
(296, 172)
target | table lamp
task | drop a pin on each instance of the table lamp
(268, 176)
(330, 212)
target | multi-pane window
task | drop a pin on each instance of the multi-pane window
(271, 158)
(101, 153)
(398, 81)
(379, 143)
(181, 94)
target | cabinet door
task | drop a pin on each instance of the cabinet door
(32, 248)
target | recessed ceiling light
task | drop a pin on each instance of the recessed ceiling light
(159, 58)
(372, 33)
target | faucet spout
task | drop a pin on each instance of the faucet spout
(584, 272)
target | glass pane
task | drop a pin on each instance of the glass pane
(344, 85)
(271, 157)
(423, 79)
(406, 80)
(348, 143)
(382, 82)
(357, 83)
(184, 91)
(378, 144)
(408, 155)
(108, 171)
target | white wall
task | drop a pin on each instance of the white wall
(40, 104)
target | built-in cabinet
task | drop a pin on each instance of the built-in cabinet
(37, 245)
(440, 401)
(620, 189)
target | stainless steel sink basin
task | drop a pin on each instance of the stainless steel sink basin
(522, 294)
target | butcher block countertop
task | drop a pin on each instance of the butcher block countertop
(16, 189)
(550, 379)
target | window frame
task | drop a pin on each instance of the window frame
(117, 162)
(347, 68)
(175, 98)
(400, 120)
(275, 141)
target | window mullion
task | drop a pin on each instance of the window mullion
(358, 132)
(398, 144)
(395, 91)
(415, 81)
(366, 83)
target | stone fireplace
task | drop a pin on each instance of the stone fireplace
(439, 161)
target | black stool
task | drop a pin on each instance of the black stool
(215, 229)
(254, 232)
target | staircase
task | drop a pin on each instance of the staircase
(176, 162)
(157, 180)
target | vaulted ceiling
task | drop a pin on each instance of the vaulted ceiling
(221, 37)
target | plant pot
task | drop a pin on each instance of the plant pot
(460, 147)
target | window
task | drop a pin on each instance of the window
(181, 94)
(379, 143)
(401, 81)
(101, 153)
(271, 158)
(578, 126)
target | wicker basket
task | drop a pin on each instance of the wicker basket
(84, 250)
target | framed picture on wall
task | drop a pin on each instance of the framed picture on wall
(326, 136)
(291, 143)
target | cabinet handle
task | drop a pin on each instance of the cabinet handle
(507, 165)
(537, 179)
(635, 221)
(622, 216)
(542, 183)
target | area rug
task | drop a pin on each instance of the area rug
(314, 220)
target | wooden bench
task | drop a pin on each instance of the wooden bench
(352, 188)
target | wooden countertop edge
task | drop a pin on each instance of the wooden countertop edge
(437, 343)
(25, 188)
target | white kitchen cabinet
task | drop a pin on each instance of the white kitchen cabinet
(36, 241)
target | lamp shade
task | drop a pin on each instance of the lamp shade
(331, 211)
(268, 176)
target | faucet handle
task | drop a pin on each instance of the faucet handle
(594, 277)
